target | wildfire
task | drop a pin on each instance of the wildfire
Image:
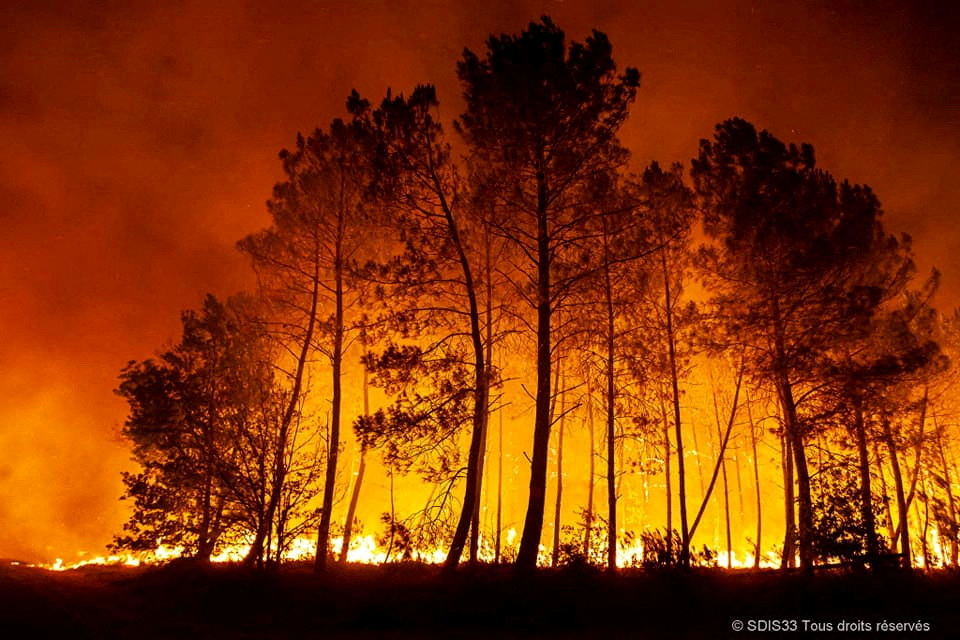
(363, 550)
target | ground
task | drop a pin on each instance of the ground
(411, 601)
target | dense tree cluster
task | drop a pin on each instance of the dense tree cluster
(532, 268)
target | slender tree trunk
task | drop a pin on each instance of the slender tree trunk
(756, 483)
(925, 518)
(591, 471)
(666, 473)
(217, 526)
(789, 558)
(886, 497)
(804, 505)
(496, 549)
(358, 482)
(480, 393)
(793, 430)
(333, 441)
(352, 508)
(951, 504)
(279, 470)
(204, 541)
(393, 520)
(724, 441)
(611, 415)
(533, 523)
(475, 517)
(918, 449)
(726, 488)
(675, 388)
(866, 495)
(473, 480)
(902, 527)
(555, 559)
(488, 312)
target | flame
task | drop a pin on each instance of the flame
(366, 550)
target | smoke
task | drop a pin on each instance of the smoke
(140, 143)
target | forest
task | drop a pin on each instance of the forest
(492, 340)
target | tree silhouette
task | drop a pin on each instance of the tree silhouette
(302, 261)
(204, 420)
(792, 269)
(433, 286)
(541, 119)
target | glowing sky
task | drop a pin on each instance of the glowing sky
(139, 143)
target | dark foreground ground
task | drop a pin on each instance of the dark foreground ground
(416, 602)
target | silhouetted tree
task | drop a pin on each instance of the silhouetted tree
(541, 120)
(791, 269)
(302, 261)
(204, 420)
(667, 207)
(433, 289)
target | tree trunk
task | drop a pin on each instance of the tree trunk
(756, 483)
(204, 539)
(866, 495)
(902, 527)
(792, 427)
(475, 528)
(789, 558)
(675, 388)
(533, 523)
(480, 393)
(885, 495)
(559, 502)
(611, 415)
(279, 470)
(496, 548)
(724, 441)
(726, 487)
(475, 516)
(954, 546)
(925, 518)
(333, 441)
(918, 449)
(666, 474)
(355, 493)
(591, 470)
(393, 519)
(804, 504)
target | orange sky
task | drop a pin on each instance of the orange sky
(139, 144)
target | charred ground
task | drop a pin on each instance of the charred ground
(415, 601)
